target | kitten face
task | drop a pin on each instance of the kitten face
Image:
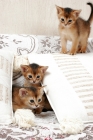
(67, 16)
(33, 72)
(32, 96)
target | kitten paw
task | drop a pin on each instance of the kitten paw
(72, 53)
(63, 51)
(82, 51)
(37, 111)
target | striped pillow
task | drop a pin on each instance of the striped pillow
(6, 70)
(78, 70)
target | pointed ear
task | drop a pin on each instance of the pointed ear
(23, 92)
(76, 13)
(24, 68)
(41, 89)
(44, 68)
(59, 9)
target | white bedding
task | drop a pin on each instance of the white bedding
(47, 124)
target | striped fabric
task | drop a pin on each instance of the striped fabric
(79, 77)
(6, 70)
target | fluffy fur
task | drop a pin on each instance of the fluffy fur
(74, 28)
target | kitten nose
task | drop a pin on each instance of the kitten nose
(33, 81)
(36, 105)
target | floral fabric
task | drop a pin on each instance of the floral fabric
(47, 127)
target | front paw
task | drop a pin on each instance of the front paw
(37, 111)
(82, 51)
(72, 52)
(64, 50)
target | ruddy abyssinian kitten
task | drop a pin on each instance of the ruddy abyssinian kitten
(74, 28)
(33, 74)
(30, 98)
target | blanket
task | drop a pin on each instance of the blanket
(65, 102)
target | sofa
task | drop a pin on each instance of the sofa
(46, 124)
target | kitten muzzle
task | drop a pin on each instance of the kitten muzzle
(35, 107)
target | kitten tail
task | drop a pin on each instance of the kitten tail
(91, 15)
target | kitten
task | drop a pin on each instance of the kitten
(33, 74)
(74, 28)
(30, 98)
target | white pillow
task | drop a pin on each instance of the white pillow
(68, 107)
(6, 70)
(78, 71)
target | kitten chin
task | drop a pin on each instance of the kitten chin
(73, 28)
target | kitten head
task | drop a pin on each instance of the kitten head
(31, 96)
(34, 73)
(67, 16)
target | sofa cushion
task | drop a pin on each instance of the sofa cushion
(6, 70)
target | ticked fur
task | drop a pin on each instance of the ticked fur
(30, 98)
(33, 74)
(73, 28)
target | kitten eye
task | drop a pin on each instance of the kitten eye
(38, 76)
(62, 19)
(39, 100)
(29, 76)
(32, 101)
(69, 20)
